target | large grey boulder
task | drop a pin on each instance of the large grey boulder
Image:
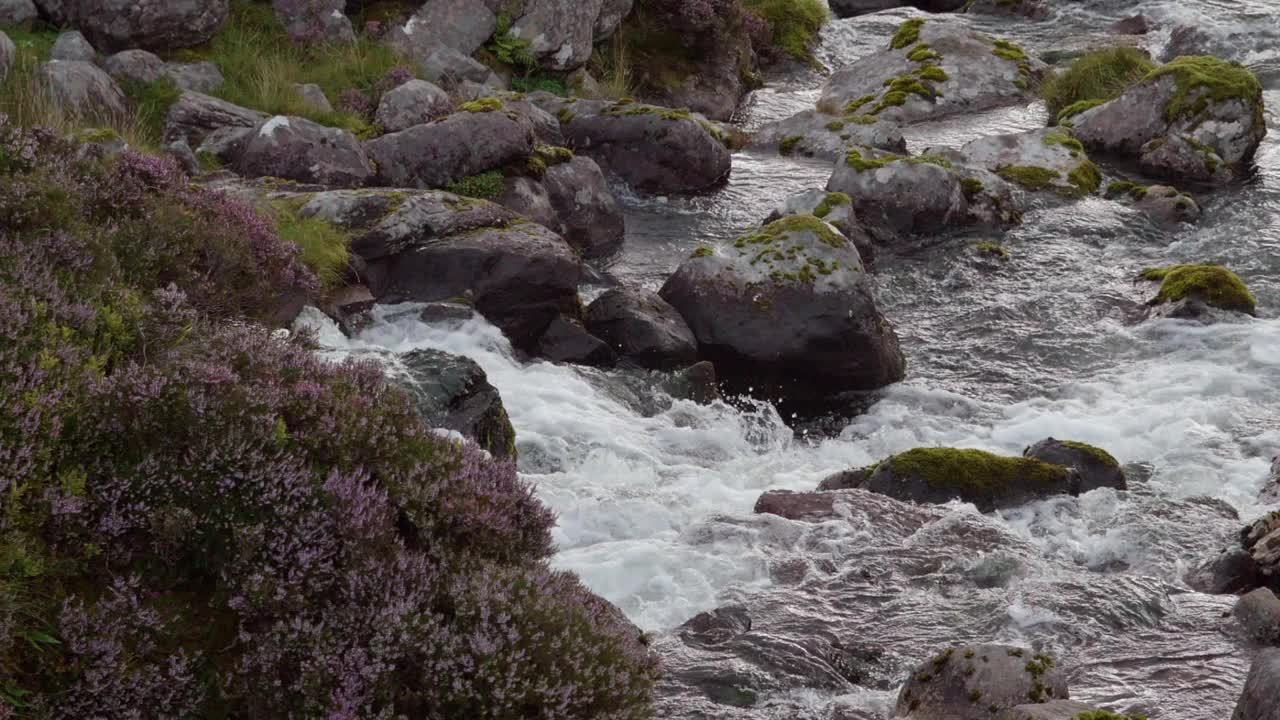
(559, 33)
(82, 88)
(1195, 118)
(461, 25)
(1258, 701)
(459, 146)
(412, 103)
(1258, 612)
(17, 12)
(201, 77)
(451, 68)
(432, 246)
(1044, 159)
(588, 215)
(990, 482)
(113, 25)
(8, 55)
(194, 116)
(933, 69)
(814, 134)
(654, 149)
(314, 20)
(797, 273)
(137, 66)
(642, 328)
(298, 149)
(528, 197)
(903, 195)
(831, 207)
(72, 46)
(975, 682)
(1095, 468)
(453, 392)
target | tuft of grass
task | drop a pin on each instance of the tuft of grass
(322, 246)
(151, 102)
(1202, 80)
(486, 186)
(794, 24)
(1093, 79)
(610, 65)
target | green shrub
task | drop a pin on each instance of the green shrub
(151, 103)
(322, 246)
(1095, 78)
(486, 186)
(794, 24)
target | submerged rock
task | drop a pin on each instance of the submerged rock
(797, 273)
(975, 682)
(566, 340)
(1234, 571)
(989, 481)
(1095, 468)
(1166, 206)
(1056, 710)
(453, 392)
(654, 149)
(1258, 701)
(696, 383)
(932, 69)
(1195, 118)
(643, 328)
(298, 149)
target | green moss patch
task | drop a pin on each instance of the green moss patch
(486, 186)
(788, 144)
(832, 201)
(1008, 51)
(908, 33)
(853, 106)
(1066, 140)
(1093, 79)
(974, 471)
(793, 24)
(971, 187)
(923, 53)
(987, 247)
(1085, 178)
(701, 252)
(1202, 80)
(1124, 187)
(1212, 284)
(792, 224)
(1029, 176)
(481, 105)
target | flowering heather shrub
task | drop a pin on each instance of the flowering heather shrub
(201, 519)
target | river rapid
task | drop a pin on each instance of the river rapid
(655, 496)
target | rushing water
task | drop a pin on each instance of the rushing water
(655, 497)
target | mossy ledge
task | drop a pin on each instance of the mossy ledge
(792, 223)
(971, 472)
(908, 33)
(1211, 284)
(832, 201)
(1201, 80)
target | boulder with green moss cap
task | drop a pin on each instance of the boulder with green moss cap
(797, 273)
(1045, 159)
(835, 208)
(989, 481)
(1211, 285)
(654, 149)
(1095, 468)
(816, 134)
(932, 69)
(977, 682)
(903, 195)
(1196, 118)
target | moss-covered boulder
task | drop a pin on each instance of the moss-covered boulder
(1195, 118)
(1095, 468)
(1212, 285)
(1046, 159)
(797, 273)
(977, 682)
(815, 134)
(834, 208)
(989, 481)
(453, 392)
(1166, 206)
(655, 149)
(1092, 79)
(933, 69)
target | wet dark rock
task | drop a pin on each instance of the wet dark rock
(453, 392)
(1053, 710)
(1258, 701)
(903, 197)
(298, 149)
(157, 25)
(642, 328)
(1262, 540)
(1167, 207)
(845, 479)
(654, 149)
(566, 340)
(696, 383)
(803, 506)
(979, 76)
(413, 103)
(1095, 468)
(851, 8)
(715, 627)
(1205, 135)
(1030, 9)
(797, 273)
(588, 215)
(827, 136)
(348, 306)
(443, 312)
(82, 88)
(457, 147)
(1271, 491)
(833, 208)
(73, 47)
(1234, 571)
(1188, 40)
(312, 21)
(1132, 25)
(974, 682)
(939, 475)
(1258, 612)
(194, 116)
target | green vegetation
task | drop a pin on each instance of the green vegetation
(853, 106)
(1212, 284)
(1124, 187)
(545, 156)
(970, 471)
(794, 24)
(792, 224)
(1202, 80)
(971, 187)
(508, 48)
(535, 83)
(1076, 108)
(1029, 176)
(322, 246)
(1085, 177)
(832, 201)
(485, 186)
(922, 53)
(1207, 152)
(1008, 51)
(1066, 140)
(987, 247)
(1097, 453)
(855, 160)
(908, 33)
(702, 251)
(788, 144)
(151, 102)
(481, 105)
(1094, 78)
(931, 72)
